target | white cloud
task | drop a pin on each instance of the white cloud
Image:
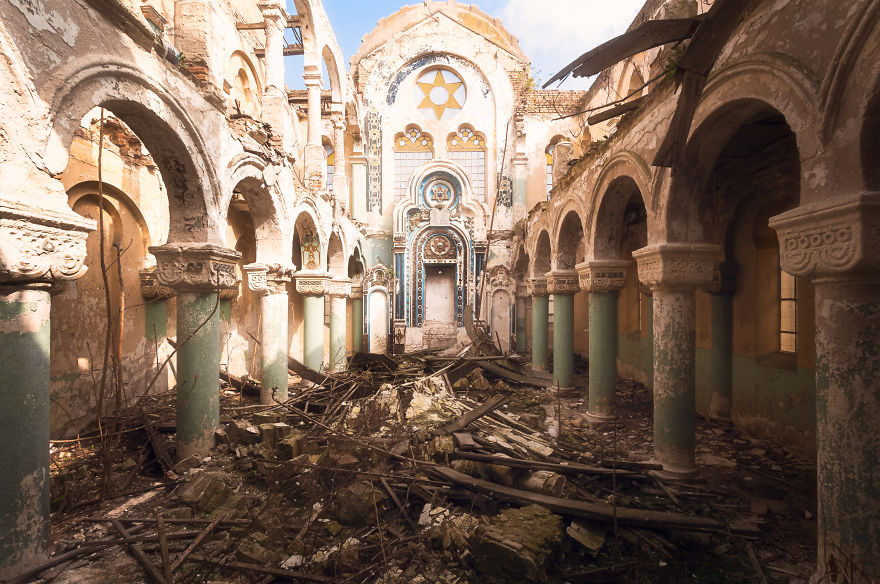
(555, 32)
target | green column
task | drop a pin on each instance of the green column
(721, 357)
(274, 347)
(563, 339)
(313, 331)
(357, 316)
(198, 363)
(603, 354)
(337, 333)
(24, 427)
(521, 340)
(540, 317)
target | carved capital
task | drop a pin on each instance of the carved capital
(677, 265)
(311, 284)
(563, 282)
(41, 245)
(338, 288)
(602, 275)
(499, 277)
(522, 290)
(196, 266)
(273, 13)
(538, 287)
(831, 238)
(267, 279)
(150, 287)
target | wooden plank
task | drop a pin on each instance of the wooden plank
(306, 373)
(293, 575)
(163, 548)
(162, 455)
(151, 570)
(651, 34)
(414, 527)
(572, 468)
(615, 111)
(496, 401)
(251, 26)
(195, 544)
(464, 441)
(573, 508)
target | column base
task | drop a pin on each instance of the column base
(600, 418)
(671, 474)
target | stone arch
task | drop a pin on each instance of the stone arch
(244, 83)
(266, 208)
(161, 123)
(542, 254)
(620, 195)
(336, 264)
(569, 240)
(307, 241)
(330, 62)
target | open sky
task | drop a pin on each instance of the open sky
(551, 32)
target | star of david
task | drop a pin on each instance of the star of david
(440, 194)
(439, 95)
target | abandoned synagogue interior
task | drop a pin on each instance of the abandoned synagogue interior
(274, 313)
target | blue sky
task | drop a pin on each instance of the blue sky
(551, 33)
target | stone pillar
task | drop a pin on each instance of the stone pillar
(522, 297)
(276, 21)
(357, 316)
(312, 289)
(314, 154)
(520, 175)
(836, 244)
(722, 290)
(563, 284)
(198, 272)
(340, 179)
(540, 318)
(338, 291)
(271, 284)
(603, 279)
(37, 248)
(674, 271)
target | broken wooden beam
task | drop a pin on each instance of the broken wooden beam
(242, 384)
(573, 508)
(615, 111)
(195, 544)
(151, 570)
(494, 402)
(572, 468)
(306, 373)
(242, 567)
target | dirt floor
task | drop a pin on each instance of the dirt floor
(376, 477)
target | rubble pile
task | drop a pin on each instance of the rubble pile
(426, 469)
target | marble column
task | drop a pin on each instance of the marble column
(540, 321)
(311, 286)
(722, 290)
(836, 244)
(198, 272)
(270, 283)
(38, 248)
(522, 298)
(603, 279)
(338, 291)
(340, 178)
(674, 271)
(563, 284)
(357, 317)
(314, 152)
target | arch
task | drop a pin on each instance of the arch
(467, 147)
(335, 256)
(569, 241)
(90, 188)
(622, 197)
(309, 240)
(541, 256)
(869, 147)
(446, 60)
(437, 167)
(520, 263)
(161, 123)
(463, 258)
(244, 83)
(329, 58)
(268, 212)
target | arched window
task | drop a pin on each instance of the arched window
(468, 148)
(330, 159)
(412, 149)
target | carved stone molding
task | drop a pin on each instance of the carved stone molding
(311, 284)
(41, 245)
(150, 287)
(522, 290)
(338, 288)
(599, 276)
(538, 287)
(831, 238)
(196, 266)
(677, 265)
(268, 278)
(563, 282)
(499, 277)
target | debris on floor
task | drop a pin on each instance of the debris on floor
(426, 469)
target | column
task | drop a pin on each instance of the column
(312, 289)
(674, 271)
(357, 316)
(271, 284)
(340, 178)
(198, 272)
(603, 279)
(338, 290)
(722, 290)
(522, 297)
(836, 244)
(520, 175)
(314, 154)
(38, 249)
(276, 20)
(563, 284)
(540, 318)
